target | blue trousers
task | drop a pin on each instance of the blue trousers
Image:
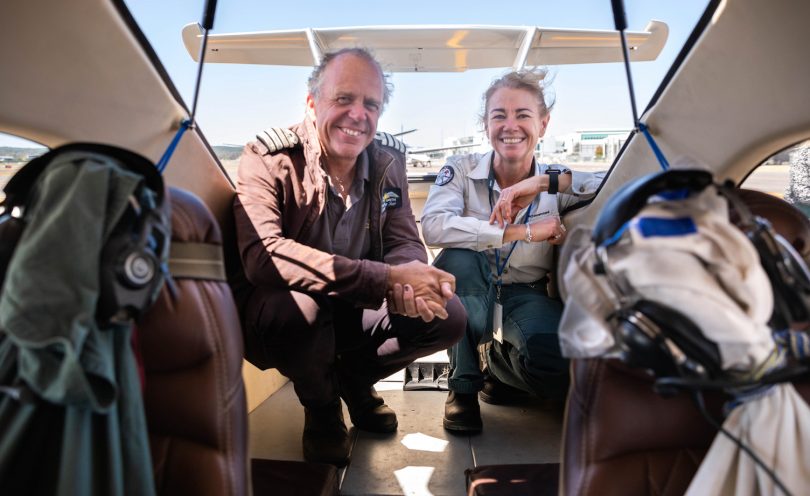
(529, 357)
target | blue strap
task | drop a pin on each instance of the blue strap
(651, 227)
(164, 160)
(797, 343)
(657, 151)
(491, 186)
(617, 235)
(500, 268)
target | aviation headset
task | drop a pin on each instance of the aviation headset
(131, 266)
(659, 338)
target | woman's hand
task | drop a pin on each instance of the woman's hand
(515, 198)
(549, 229)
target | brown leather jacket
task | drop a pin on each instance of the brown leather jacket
(279, 197)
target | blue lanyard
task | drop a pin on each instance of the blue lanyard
(499, 268)
(498, 265)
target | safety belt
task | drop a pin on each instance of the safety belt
(189, 260)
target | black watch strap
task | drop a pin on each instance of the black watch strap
(553, 181)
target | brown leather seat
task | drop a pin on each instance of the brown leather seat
(194, 396)
(620, 437)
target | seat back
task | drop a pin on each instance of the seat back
(620, 437)
(192, 348)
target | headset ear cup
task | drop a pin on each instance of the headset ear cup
(136, 268)
(786, 272)
(652, 333)
(109, 293)
(701, 356)
(130, 268)
(641, 349)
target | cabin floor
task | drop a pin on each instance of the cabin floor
(421, 458)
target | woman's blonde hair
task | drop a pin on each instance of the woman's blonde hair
(532, 80)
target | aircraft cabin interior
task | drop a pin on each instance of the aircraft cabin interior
(735, 97)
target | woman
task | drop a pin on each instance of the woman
(496, 215)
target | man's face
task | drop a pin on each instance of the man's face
(348, 107)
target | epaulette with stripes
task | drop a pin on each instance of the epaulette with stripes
(387, 139)
(278, 138)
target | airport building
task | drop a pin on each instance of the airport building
(579, 146)
(586, 146)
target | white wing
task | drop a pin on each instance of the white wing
(432, 48)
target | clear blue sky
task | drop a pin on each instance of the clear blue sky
(238, 101)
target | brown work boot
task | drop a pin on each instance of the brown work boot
(367, 409)
(498, 393)
(462, 413)
(326, 438)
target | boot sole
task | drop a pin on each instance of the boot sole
(379, 429)
(381, 423)
(501, 400)
(455, 426)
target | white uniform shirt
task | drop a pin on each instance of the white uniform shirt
(456, 215)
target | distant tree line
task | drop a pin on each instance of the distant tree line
(21, 154)
(227, 152)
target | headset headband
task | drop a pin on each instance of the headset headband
(625, 204)
(18, 186)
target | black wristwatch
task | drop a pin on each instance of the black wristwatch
(554, 179)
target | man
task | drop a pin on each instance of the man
(339, 293)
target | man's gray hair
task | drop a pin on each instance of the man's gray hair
(316, 78)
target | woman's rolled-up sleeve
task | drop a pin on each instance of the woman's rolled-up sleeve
(448, 223)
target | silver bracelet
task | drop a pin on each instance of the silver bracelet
(528, 233)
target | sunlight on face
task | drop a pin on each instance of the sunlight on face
(514, 122)
(348, 107)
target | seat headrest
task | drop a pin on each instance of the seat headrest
(192, 221)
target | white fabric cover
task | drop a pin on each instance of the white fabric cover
(713, 276)
(776, 427)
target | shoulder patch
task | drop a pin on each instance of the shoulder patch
(445, 175)
(392, 198)
(278, 138)
(387, 139)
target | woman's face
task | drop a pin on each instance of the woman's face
(514, 122)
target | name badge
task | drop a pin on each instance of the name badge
(497, 322)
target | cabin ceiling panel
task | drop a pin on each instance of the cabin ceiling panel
(95, 84)
(742, 93)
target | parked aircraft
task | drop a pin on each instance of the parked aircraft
(83, 71)
(421, 157)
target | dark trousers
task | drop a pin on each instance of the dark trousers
(529, 357)
(319, 342)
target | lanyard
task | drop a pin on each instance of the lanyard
(499, 268)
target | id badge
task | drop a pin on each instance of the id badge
(497, 322)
